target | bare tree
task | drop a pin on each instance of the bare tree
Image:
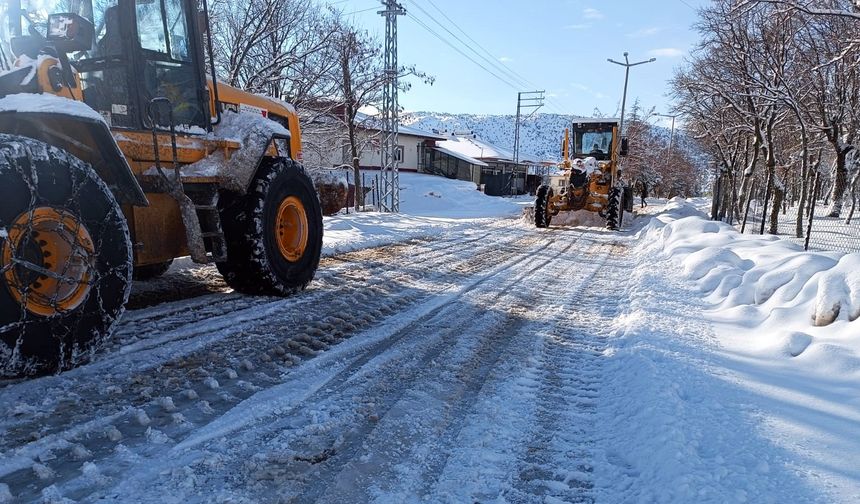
(275, 47)
(772, 82)
(360, 78)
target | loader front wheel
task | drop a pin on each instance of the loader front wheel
(543, 216)
(273, 233)
(65, 259)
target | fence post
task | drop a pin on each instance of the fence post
(766, 201)
(815, 189)
(747, 206)
(378, 201)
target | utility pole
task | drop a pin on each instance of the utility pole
(627, 66)
(525, 100)
(671, 137)
(389, 200)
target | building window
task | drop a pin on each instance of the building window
(398, 154)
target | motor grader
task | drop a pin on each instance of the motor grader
(120, 151)
(589, 177)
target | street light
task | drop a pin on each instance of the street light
(671, 136)
(627, 66)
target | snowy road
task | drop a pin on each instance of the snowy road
(488, 362)
(458, 369)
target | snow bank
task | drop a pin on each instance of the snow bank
(430, 206)
(757, 278)
(734, 369)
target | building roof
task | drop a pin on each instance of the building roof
(463, 157)
(409, 130)
(476, 148)
(369, 122)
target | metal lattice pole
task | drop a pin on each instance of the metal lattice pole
(534, 101)
(390, 198)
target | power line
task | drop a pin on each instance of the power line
(466, 34)
(452, 46)
(490, 58)
(360, 11)
(491, 61)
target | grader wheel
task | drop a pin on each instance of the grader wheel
(542, 209)
(614, 212)
(65, 259)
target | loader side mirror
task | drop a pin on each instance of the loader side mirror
(70, 32)
(624, 146)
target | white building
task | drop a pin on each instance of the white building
(327, 145)
(464, 156)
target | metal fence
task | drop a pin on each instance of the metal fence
(814, 229)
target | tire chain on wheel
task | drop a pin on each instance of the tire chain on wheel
(50, 177)
(542, 217)
(613, 213)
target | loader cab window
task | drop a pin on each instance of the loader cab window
(104, 68)
(168, 67)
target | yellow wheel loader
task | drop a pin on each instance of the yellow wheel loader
(120, 151)
(589, 177)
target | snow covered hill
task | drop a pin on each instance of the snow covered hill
(540, 134)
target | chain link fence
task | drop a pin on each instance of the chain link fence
(805, 221)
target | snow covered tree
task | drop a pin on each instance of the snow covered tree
(772, 83)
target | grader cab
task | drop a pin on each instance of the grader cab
(589, 177)
(120, 151)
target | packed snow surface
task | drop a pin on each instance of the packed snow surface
(735, 371)
(429, 207)
(475, 359)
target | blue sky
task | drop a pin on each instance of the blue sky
(557, 45)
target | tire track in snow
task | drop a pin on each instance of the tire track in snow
(149, 324)
(378, 371)
(359, 463)
(407, 452)
(557, 463)
(521, 416)
(183, 413)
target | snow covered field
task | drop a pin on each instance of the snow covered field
(472, 358)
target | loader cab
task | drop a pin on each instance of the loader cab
(141, 50)
(594, 139)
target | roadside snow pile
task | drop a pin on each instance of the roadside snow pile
(432, 196)
(430, 206)
(756, 279)
(734, 370)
